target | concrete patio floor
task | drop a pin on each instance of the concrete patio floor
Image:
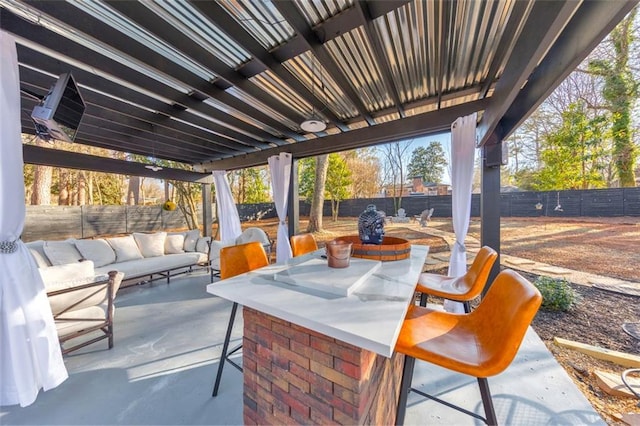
(168, 341)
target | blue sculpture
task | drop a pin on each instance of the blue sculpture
(371, 226)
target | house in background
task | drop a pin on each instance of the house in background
(418, 187)
(415, 188)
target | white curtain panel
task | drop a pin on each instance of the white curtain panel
(228, 219)
(280, 167)
(30, 357)
(463, 148)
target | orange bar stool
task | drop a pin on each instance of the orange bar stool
(302, 244)
(236, 260)
(480, 344)
(461, 289)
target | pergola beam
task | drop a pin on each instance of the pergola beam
(72, 160)
(419, 125)
(546, 21)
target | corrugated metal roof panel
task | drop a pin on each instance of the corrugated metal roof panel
(272, 84)
(316, 11)
(197, 27)
(437, 47)
(311, 73)
(261, 19)
(353, 54)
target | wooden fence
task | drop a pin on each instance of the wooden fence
(57, 223)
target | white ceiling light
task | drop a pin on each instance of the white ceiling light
(154, 167)
(312, 125)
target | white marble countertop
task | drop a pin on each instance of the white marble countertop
(370, 318)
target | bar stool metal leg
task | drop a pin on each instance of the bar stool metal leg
(225, 347)
(489, 411)
(405, 388)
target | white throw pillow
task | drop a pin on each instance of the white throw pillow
(174, 244)
(202, 245)
(150, 245)
(99, 251)
(190, 240)
(64, 276)
(125, 248)
(37, 251)
(62, 252)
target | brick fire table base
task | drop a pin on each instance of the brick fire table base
(296, 375)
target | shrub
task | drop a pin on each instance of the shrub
(557, 294)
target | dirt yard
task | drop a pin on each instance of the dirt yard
(603, 246)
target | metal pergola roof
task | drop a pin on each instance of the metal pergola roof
(226, 84)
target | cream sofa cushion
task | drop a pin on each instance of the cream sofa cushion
(125, 248)
(61, 252)
(68, 275)
(150, 245)
(174, 244)
(190, 239)
(37, 251)
(99, 251)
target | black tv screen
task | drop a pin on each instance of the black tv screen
(60, 113)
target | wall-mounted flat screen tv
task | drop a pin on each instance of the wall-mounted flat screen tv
(58, 115)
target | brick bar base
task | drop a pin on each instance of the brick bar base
(293, 375)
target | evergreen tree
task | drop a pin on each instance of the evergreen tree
(428, 162)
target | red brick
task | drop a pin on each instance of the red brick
(345, 394)
(319, 419)
(347, 368)
(310, 401)
(312, 354)
(336, 377)
(291, 377)
(259, 378)
(350, 354)
(262, 336)
(293, 334)
(249, 363)
(248, 344)
(292, 356)
(274, 379)
(295, 403)
(327, 396)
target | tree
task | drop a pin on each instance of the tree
(395, 157)
(338, 180)
(249, 185)
(428, 162)
(317, 200)
(572, 155)
(306, 177)
(620, 90)
(365, 167)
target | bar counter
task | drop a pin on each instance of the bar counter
(312, 356)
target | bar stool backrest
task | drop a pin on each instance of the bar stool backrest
(501, 320)
(236, 260)
(302, 244)
(476, 277)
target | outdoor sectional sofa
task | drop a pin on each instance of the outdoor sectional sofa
(141, 257)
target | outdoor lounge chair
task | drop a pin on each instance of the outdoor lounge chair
(83, 309)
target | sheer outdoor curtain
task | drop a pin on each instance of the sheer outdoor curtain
(30, 357)
(228, 219)
(463, 148)
(280, 167)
